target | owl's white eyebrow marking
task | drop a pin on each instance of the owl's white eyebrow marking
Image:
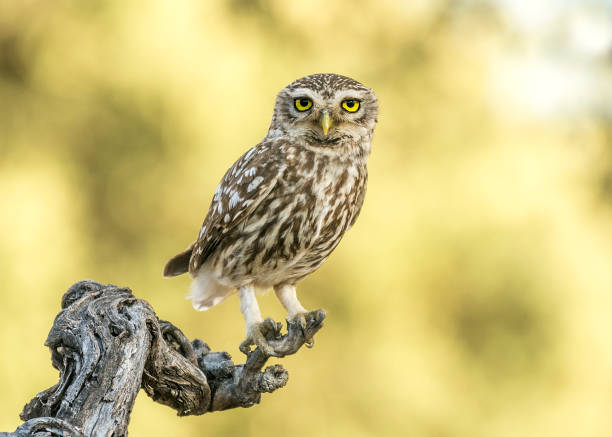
(355, 94)
(306, 92)
(258, 180)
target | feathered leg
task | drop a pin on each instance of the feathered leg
(287, 296)
(256, 328)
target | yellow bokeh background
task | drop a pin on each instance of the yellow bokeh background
(472, 298)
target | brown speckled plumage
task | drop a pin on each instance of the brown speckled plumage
(282, 208)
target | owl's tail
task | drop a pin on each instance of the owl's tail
(178, 264)
(206, 292)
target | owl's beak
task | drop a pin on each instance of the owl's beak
(326, 121)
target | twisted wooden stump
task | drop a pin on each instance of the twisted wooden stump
(107, 344)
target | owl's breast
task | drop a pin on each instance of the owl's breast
(298, 225)
(336, 194)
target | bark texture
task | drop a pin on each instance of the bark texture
(107, 344)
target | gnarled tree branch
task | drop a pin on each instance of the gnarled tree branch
(107, 344)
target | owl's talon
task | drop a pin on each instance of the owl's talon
(256, 336)
(301, 320)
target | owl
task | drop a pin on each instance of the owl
(283, 206)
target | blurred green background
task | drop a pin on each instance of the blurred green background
(472, 298)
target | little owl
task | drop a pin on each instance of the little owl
(282, 208)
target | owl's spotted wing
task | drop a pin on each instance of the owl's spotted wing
(244, 186)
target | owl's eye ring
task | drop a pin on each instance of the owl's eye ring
(303, 104)
(351, 105)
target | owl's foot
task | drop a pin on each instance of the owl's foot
(256, 336)
(302, 320)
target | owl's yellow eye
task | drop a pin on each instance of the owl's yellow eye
(350, 105)
(303, 104)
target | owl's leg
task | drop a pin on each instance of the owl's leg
(287, 296)
(256, 328)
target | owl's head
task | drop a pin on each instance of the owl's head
(324, 109)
